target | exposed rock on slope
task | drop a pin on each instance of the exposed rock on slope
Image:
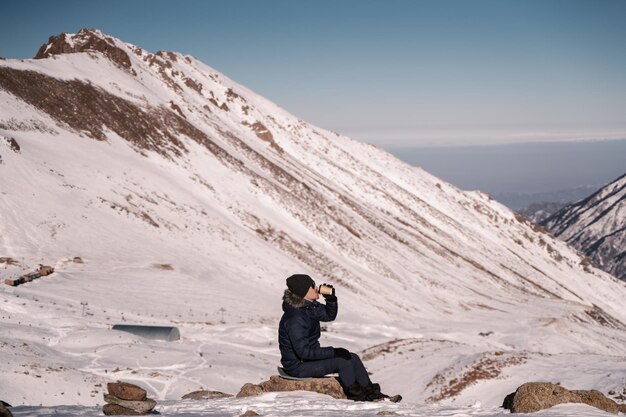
(88, 109)
(84, 41)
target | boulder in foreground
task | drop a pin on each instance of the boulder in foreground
(126, 399)
(118, 410)
(4, 412)
(142, 407)
(536, 396)
(126, 391)
(205, 395)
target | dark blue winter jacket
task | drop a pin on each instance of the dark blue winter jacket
(299, 333)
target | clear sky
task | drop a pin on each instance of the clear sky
(392, 73)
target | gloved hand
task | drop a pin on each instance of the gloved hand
(342, 353)
(332, 289)
(330, 297)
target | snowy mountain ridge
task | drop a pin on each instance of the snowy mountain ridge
(596, 226)
(191, 199)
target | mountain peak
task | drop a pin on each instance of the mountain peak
(83, 41)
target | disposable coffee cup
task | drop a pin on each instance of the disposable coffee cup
(325, 290)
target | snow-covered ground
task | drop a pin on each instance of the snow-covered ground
(450, 299)
(56, 351)
(307, 404)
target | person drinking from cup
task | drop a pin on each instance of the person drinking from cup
(298, 338)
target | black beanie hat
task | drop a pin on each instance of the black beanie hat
(299, 284)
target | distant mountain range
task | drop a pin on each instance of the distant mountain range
(525, 201)
(538, 212)
(596, 226)
(522, 174)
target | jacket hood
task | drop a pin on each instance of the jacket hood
(293, 300)
(304, 304)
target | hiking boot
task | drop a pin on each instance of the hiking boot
(355, 392)
(372, 392)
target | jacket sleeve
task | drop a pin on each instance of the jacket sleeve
(327, 312)
(298, 334)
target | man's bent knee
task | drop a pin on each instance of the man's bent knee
(355, 357)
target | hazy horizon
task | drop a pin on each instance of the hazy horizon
(523, 168)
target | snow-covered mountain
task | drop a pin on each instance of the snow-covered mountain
(596, 226)
(538, 212)
(190, 199)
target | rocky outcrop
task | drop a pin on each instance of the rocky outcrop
(15, 147)
(205, 395)
(535, 396)
(126, 399)
(85, 40)
(264, 134)
(328, 386)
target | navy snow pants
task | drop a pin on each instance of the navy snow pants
(350, 371)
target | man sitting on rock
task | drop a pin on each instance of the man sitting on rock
(298, 337)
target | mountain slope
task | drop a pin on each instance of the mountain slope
(190, 199)
(597, 226)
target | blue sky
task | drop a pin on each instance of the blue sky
(392, 73)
